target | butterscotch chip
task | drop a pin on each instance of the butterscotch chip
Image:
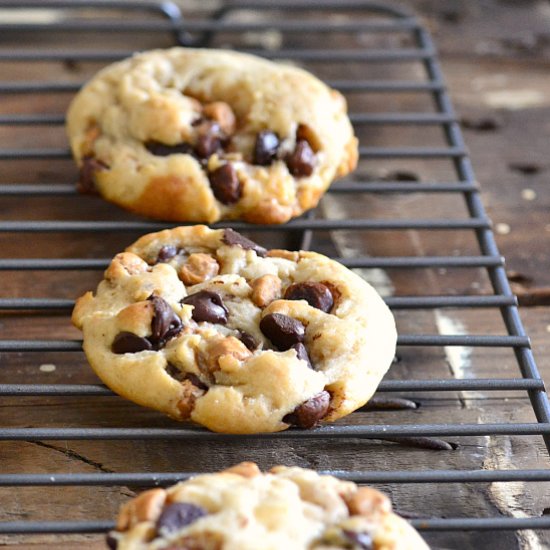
(222, 113)
(245, 469)
(265, 289)
(225, 354)
(169, 118)
(367, 501)
(291, 508)
(145, 507)
(198, 268)
(208, 326)
(126, 263)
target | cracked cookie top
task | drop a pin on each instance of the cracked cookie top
(243, 509)
(206, 325)
(201, 135)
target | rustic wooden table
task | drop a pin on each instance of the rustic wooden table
(495, 56)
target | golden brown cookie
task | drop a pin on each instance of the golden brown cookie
(243, 509)
(204, 135)
(206, 325)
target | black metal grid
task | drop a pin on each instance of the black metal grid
(464, 186)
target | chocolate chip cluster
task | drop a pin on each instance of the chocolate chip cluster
(213, 132)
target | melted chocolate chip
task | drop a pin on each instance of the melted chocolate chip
(86, 180)
(209, 140)
(363, 540)
(266, 147)
(282, 330)
(178, 515)
(315, 294)
(162, 150)
(111, 541)
(174, 372)
(232, 238)
(166, 324)
(301, 353)
(207, 306)
(180, 376)
(195, 380)
(225, 184)
(128, 342)
(310, 412)
(166, 253)
(248, 340)
(302, 160)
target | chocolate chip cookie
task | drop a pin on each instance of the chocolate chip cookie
(206, 325)
(203, 135)
(243, 509)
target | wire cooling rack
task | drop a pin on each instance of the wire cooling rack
(38, 181)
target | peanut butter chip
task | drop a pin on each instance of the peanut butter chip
(125, 264)
(367, 501)
(198, 268)
(265, 289)
(244, 469)
(225, 353)
(222, 113)
(145, 507)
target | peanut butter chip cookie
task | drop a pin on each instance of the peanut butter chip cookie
(208, 326)
(202, 135)
(242, 508)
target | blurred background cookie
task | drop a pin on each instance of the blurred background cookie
(203, 135)
(245, 509)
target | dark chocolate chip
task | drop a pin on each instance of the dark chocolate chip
(207, 306)
(162, 150)
(209, 139)
(180, 376)
(363, 540)
(111, 541)
(86, 181)
(232, 238)
(166, 253)
(178, 515)
(301, 353)
(248, 340)
(315, 294)
(282, 330)
(195, 380)
(302, 160)
(310, 412)
(174, 372)
(165, 324)
(128, 342)
(266, 147)
(225, 184)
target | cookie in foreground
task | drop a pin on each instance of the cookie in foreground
(242, 508)
(201, 135)
(206, 325)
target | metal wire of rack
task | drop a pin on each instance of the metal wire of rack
(200, 32)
